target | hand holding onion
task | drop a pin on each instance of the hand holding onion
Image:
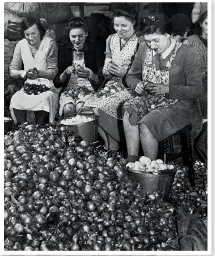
(157, 89)
(117, 70)
(82, 72)
(32, 73)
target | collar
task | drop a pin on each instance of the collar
(168, 50)
(84, 49)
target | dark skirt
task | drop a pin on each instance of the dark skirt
(109, 124)
(163, 122)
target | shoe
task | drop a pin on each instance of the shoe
(104, 148)
(107, 149)
(111, 153)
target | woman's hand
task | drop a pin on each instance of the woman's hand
(116, 70)
(23, 74)
(32, 73)
(69, 70)
(139, 88)
(105, 71)
(83, 72)
(158, 89)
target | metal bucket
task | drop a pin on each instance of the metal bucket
(8, 124)
(87, 130)
(155, 182)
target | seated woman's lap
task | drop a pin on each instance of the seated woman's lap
(164, 122)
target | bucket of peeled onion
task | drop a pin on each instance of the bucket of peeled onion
(153, 175)
(83, 125)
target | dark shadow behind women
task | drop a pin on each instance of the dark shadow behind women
(180, 26)
(199, 41)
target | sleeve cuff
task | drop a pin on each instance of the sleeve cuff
(91, 74)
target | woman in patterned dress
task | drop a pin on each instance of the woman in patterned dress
(120, 50)
(167, 81)
(199, 41)
(80, 67)
(38, 54)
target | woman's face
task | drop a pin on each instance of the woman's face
(77, 37)
(123, 27)
(157, 42)
(32, 35)
(204, 26)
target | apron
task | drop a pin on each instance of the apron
(46, 101)
(111, 98)
(139, 106)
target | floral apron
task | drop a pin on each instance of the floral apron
(139, 106)
(114, 94)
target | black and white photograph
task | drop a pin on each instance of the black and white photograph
(106, 116)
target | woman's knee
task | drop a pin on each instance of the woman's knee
(126, 115)
(126, 118)
(144, 130)
(69, 109)
(96, 111)
(145, 133)
(79, 106)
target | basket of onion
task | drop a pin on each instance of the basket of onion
(153, 175)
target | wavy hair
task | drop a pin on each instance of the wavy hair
(76, 23)
(28, 22)
(127, 11)
(158, 23)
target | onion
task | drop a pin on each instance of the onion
(18, 228)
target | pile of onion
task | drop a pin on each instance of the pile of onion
(62, 193)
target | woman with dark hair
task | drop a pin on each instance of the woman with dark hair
(180, 25)
(199, 41)
(35, 61)
(120, 50)
(80, 67)
(166, 79)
